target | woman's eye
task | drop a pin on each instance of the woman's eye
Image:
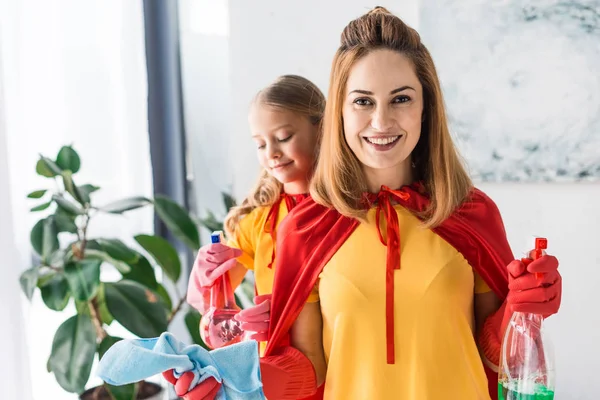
(362, 102)
(401, 99)
(285, 139)
(261, 146)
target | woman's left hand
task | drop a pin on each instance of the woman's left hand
(535, 288)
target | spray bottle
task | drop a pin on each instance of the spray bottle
(526, 359)
(218, 328)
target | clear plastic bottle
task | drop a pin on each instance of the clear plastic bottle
(526, 359)
(218, 328)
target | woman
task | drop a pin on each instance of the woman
(408, 259)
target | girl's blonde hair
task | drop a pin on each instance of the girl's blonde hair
(339, 181)
(291, 93)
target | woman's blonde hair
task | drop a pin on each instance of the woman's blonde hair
(339, 181)
(291, 93)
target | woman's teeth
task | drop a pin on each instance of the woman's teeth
(382, 141)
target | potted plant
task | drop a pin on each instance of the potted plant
(69, 266)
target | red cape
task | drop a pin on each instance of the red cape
(311, 234)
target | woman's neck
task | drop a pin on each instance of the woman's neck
(394, 178)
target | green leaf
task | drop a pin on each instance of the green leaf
(121, 266)
(68, 159)
(163, 253)
(247, 290)
(41, 207)
(44, 237)
(228, 201)
(65, 223)
(92, 244)
(105, 315)
(106, 344)
(67, 206)
(137, 308)
(131, 203)
(238, 300)
(211, 223)
(73, 351)
(164, 295)
(192, 322)
(59, 257)
(125, 392)
(84, 278)
(83, 307)
(72, 188)
(28, 281)
(37, 194)
(36, 236)
(62, 213)
(50, 238)
(88, 189)
(142, 272)
(118, 250)
(46, 167)
(177, 220)
(45, 276)
(55, 293)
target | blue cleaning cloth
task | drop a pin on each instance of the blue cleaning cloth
(236, 366)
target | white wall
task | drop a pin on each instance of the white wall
(268, 38)
(568, 215)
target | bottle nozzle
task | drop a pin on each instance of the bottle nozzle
(541, 244)
(216, 237)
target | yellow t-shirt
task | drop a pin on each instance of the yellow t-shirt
(257, 246)
(257, 250)
(436, 353)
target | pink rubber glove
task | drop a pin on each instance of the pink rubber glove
(256, 318)
(213, 260)
(206, 390)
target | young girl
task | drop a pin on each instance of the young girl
(285, 122)
(411, 263)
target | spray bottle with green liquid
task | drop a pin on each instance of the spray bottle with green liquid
(526, 359)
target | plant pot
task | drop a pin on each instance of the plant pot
(147, 391)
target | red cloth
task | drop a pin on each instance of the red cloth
(312, 233)
(271, 222)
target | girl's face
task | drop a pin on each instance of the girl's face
(382, 113)
(286, 145)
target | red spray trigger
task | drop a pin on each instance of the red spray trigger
(541, 244)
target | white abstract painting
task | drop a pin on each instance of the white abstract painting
(521, 81)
